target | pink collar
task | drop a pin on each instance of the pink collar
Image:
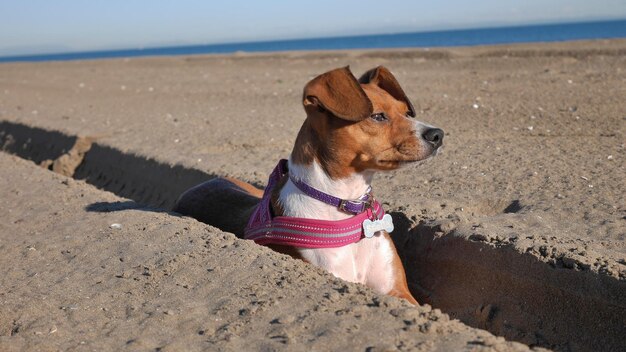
(264, 228)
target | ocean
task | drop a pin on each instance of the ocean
(460, 37)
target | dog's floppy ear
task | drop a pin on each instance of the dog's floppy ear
(338, 92)
(383, 78)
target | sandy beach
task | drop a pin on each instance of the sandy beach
(512, 238)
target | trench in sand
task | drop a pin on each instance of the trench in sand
(511, 294)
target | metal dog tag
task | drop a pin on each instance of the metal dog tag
(371, 227)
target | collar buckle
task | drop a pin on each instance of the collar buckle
(343, 204)
(356, 206)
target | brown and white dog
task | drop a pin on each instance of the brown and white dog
(353, 129)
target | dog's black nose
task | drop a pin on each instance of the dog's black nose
(434, 136)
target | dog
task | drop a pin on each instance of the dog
(318, 205)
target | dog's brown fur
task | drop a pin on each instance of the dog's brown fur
(340, 136)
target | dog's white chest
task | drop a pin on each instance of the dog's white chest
(368, 262)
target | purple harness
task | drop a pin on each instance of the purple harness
(263, 228)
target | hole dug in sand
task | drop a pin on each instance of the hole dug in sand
(487, 284)
(139, 178)
(492, 285)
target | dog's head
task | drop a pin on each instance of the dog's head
(365, 124)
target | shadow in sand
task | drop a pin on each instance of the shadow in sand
(508, 292)
(142, 179)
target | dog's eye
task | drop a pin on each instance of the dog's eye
(380, 117)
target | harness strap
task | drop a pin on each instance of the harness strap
(303, 232)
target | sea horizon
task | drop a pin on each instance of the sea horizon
(533, 33)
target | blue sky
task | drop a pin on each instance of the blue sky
(40, 26)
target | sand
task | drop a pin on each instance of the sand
(517, 228)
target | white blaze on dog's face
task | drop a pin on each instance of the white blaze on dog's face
(362, 125)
